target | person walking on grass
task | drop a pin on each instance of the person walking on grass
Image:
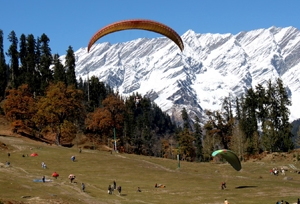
(83, 187)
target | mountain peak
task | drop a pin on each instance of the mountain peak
(211, 67)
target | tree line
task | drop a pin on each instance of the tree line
(260, 123)
(44, 100)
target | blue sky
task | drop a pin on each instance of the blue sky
(73, 22)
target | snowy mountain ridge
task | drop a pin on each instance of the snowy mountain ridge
(211, 67)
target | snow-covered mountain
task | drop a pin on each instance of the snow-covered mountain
(211, 67)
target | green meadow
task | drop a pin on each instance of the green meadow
(191, 183)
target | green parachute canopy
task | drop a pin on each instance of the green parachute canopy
(230, 156)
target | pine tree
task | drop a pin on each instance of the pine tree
(3, 69)
(249, 119)
(262, 103)
(14, 59)
(22, 57)
(45, 63)
(285, 142)
(185, 118)
(238, 109)
(198, 138)
(70, 67)
(59, 70)
(186, 139)
(31, 71)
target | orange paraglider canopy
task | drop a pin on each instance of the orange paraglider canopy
(34, 154)
(138, 24)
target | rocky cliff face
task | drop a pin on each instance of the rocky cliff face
(211, 67)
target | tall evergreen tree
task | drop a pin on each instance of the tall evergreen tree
(249, 120)
(70, 67)
(285, 142)
(14, 59)
(3, 68)
(59, 70)
(45, 62)
(22, 57)
(185, 118)
(238, 109)
(262, 103)
(198, 138)
(31, 71)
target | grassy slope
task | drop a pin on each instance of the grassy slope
(192, 183)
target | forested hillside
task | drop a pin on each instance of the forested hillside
(43, 100)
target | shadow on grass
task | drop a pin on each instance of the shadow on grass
(245, 187)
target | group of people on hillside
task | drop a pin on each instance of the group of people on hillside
(114, 187)
(275, 171)
(286, 202)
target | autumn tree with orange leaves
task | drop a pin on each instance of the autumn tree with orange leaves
(59, 110)
(19, 108)
(103, 120)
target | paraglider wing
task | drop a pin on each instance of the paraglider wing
(138, 24)
(230, 156)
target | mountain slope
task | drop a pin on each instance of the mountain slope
(211, 67)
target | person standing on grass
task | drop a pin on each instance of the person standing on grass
(119, 189)
(226, 201)
(83, 187)
(8, 154)
(43, 179)
(109, 189)
(298, 202)
(115, 185)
